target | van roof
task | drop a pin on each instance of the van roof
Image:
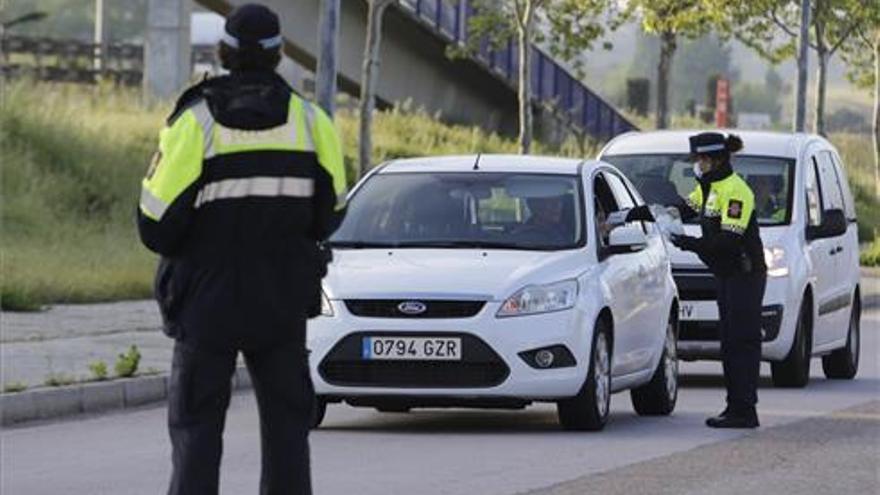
(765, 143)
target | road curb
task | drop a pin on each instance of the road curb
(58, 402)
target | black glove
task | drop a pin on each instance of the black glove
(639, 213)
(684, 242)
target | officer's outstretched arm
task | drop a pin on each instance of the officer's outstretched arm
(168, 192)
(331, 185)
(689, 208)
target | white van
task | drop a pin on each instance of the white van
(808, 225)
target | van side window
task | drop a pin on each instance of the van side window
(832, 195)
(849, 208)
(814, 201)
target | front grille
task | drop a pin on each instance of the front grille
(389, 308)
(479, 367)
(695, 285)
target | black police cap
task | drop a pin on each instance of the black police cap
(252, 26)
(708, 143)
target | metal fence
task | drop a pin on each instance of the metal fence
(51, 59)
(552, 84)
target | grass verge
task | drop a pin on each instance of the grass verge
(72, 160)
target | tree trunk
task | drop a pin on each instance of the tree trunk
(821, 75)
(821, 83)
(325, 79)
(369, 79)
(876, 124)
(800, 95)
(667, 51)
(525, 86)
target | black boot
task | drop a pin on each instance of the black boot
(734, 419)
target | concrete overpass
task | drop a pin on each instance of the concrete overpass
(477, 90)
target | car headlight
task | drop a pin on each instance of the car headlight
(536, 299)
(326, 307)
(777, 265)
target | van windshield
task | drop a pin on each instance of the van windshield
(668, 179)
(478, 210)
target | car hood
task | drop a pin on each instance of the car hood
(770, 236)
(445, 273)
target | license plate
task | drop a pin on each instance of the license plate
(698, 311)
(412, 348)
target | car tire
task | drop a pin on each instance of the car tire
(319, 409)
(794, 370)
(658, 397)
(588, 410)
(843, 364)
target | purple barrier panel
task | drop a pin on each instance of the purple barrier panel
(577, 105)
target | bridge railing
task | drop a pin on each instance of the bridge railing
(552, 84)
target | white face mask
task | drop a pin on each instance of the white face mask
(698, 172)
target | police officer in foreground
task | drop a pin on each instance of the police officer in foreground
(248, 180)
(731, 247)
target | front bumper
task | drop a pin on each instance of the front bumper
(495, 363)
(699, 320)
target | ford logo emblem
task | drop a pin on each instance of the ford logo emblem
(412, 307)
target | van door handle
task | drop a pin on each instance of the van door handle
(832, 252)
(839, 249)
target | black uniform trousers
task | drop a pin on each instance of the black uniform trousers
(199, 394)
(740, 299)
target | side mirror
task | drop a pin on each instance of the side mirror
(833, 224)
(627, 238)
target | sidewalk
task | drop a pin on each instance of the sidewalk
(66, 338)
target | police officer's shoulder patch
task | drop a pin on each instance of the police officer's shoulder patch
(735, 208)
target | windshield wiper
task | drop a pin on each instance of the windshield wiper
(461, 244)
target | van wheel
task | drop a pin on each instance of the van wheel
(657, 397)
(319, 409)
(588, 410)
(844, 363)
(794, 370)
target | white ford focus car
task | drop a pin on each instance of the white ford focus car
(493, 281)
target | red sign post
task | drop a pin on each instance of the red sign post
(722, 102)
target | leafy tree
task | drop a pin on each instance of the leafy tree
(696, 61)
(669, 20)
(771, 28)
(862, 55)
(370, 79)
(568, 26)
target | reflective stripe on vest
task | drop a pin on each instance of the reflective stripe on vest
(291, 187)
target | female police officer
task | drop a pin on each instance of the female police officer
(731, 247)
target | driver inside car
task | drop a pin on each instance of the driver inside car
(545, 223)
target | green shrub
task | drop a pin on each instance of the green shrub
(127, 363)
(13, 387)
(59, 380)
(870, 256)
(99, 370)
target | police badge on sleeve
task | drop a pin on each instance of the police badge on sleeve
(735, 209)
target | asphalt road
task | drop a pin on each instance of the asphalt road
(824, 439)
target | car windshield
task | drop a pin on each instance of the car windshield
(464, 210)
(668, 179)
